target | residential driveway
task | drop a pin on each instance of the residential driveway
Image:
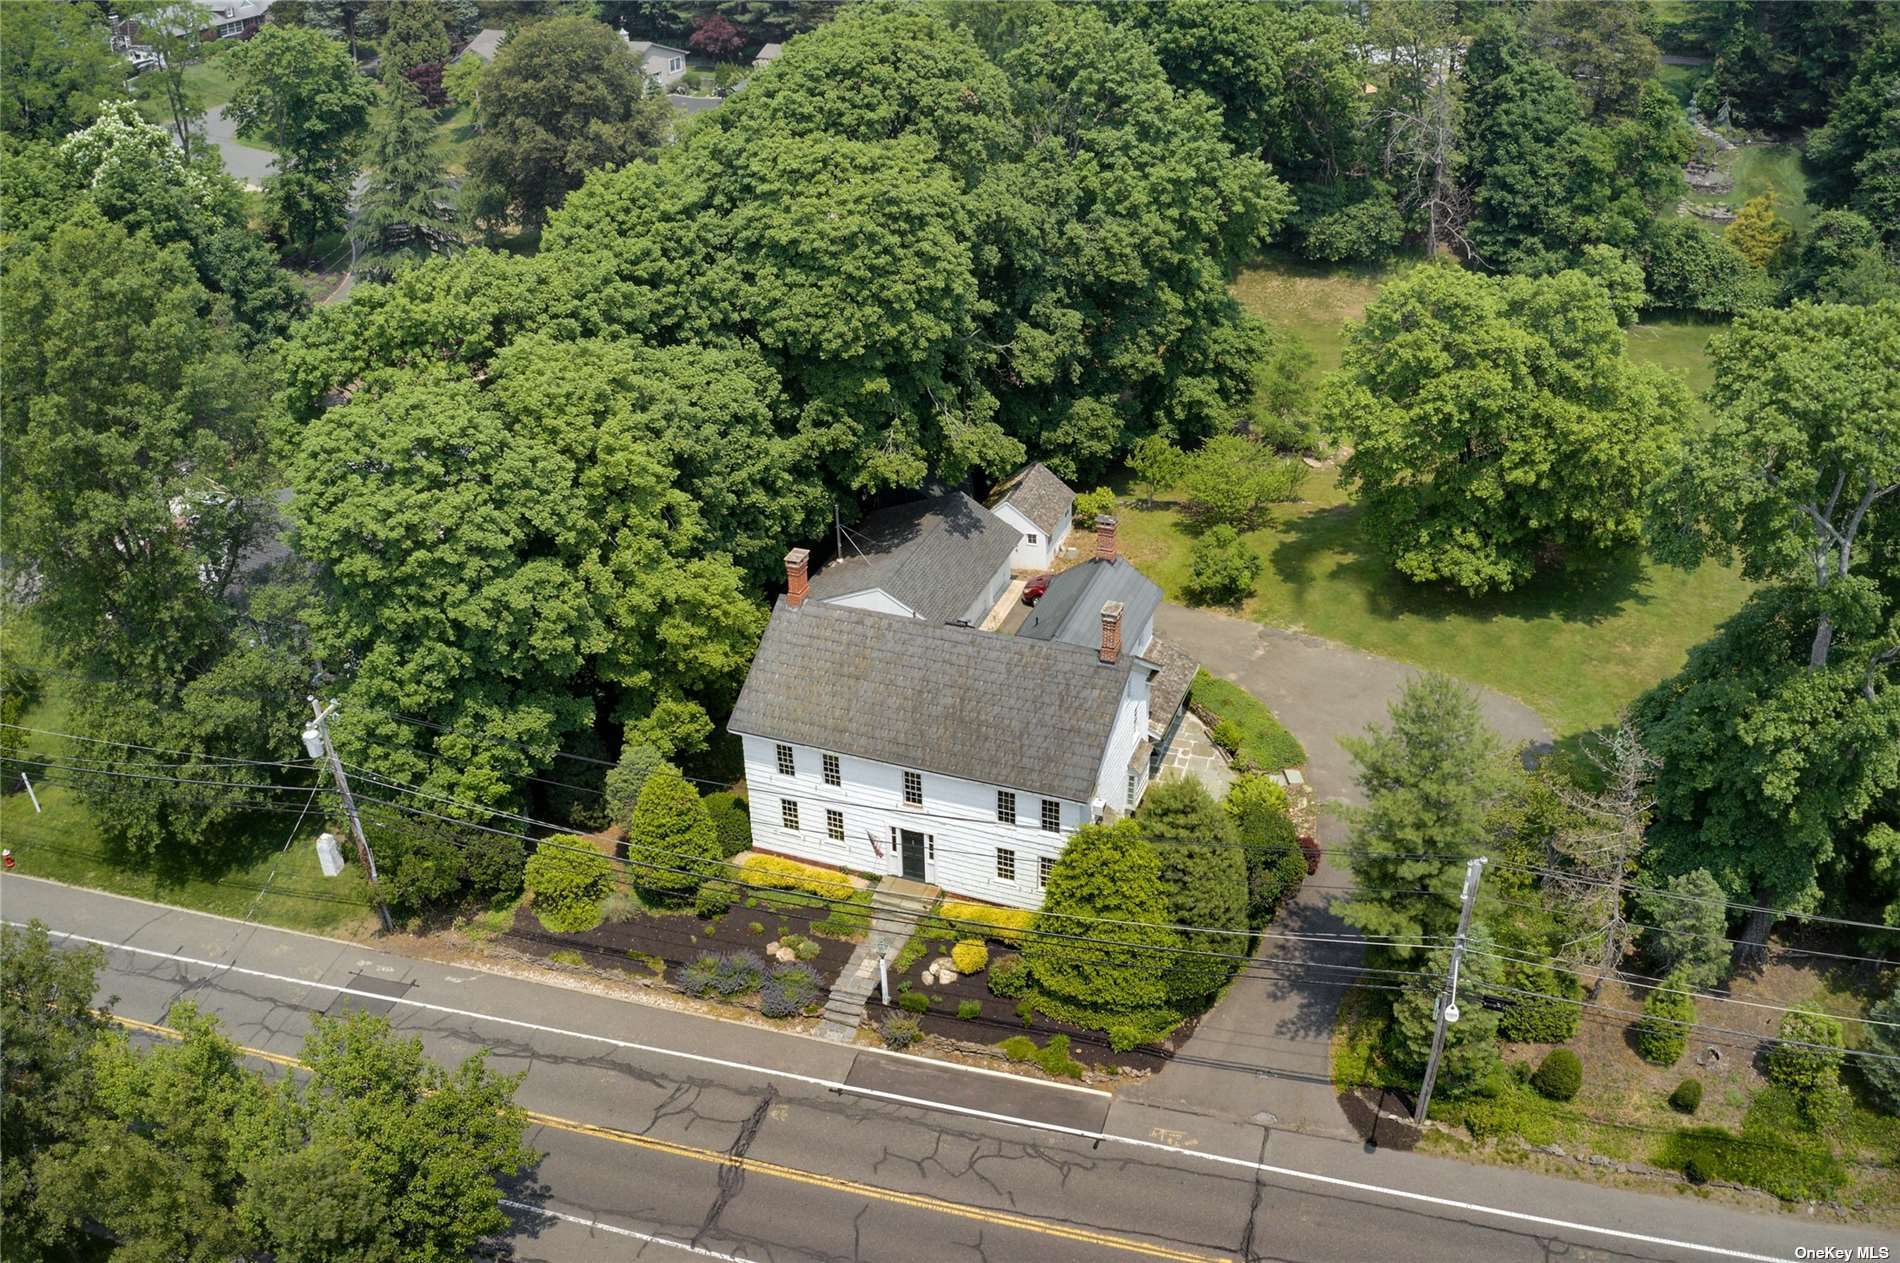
(247, 164)
(1263, 1052)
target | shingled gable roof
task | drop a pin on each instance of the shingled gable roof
(994, 709)
(1037, 494)
(937, 556)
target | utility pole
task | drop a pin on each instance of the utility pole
(1446, 1010)
(316, 739)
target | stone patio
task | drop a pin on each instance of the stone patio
(1192, 754)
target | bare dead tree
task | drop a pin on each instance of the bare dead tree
(1600, 857)
(1422, 156)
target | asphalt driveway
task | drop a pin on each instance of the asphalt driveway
(1264, 1050)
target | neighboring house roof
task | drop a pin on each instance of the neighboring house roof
(1038, 495)
(993, 709)
(768, 54)
(485, 44)
(646, 46)
(1071, 610)
(937, 556)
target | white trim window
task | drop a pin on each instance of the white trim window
(1045, 865)
(788, 813)
(786, 765)
(913, 789)
(834, 824)
(1030, 538)
(1005, 864)
(834, 774)
(1051, 816)
(1134, 788)
(1006, 806)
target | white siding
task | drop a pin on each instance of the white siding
(876, 600)
(1131, 726)
(982, 605)
(958, 816)
(1028, 556)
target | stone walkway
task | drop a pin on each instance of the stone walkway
(1191, 753)
(896, 907)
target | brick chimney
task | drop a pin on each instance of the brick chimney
(797, 564)
(1104, 539)
(1111, 633)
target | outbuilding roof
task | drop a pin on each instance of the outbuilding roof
(937, 556)
(1038, 495)
(998, 710)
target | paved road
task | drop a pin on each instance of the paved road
(248, 164)
(731, 1141)
(1265, 1048)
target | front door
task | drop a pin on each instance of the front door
(913, 845)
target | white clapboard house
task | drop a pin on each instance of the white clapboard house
(886, 732)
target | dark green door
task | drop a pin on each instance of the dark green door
(913, 854)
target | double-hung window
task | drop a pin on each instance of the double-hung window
(833, 774)
(1051, 815)
(1045, 864)
(1006, 806)
(788, 812)
(914, 789)
(786, 767)
(834, 825)
(1005, 864)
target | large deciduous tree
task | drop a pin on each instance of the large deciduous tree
(300, 88)
(1498, 425)
(1604, 49)
(136, 485)
(1856, 156)
(1804, 457)
(563, 97)
(1428, 777)
(57, 66)
(1780, 740)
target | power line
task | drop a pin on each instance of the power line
(127, 745)
(1777, 913)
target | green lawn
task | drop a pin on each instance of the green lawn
(1772, 169)
(1310, 301)
(1679, 344)
(1575, 645)
(285, 887)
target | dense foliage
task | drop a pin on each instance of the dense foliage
(1105, 871)
(180, 1151)
(1204, 873)
(1498, 425)
(672, 846)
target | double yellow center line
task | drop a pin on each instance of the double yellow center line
(794, 1175)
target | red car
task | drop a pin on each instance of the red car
(1033, 590)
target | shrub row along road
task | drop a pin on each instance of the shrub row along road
(727, 1141)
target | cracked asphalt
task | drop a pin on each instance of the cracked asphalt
(743, 1142)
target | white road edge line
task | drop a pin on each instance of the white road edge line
(599, 1225)
(994, 1074)
(833, 1085)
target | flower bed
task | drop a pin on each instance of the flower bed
(654, 947)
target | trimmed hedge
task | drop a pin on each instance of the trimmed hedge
(970, 956)
(1663, 1032)
(731, 822)
(570, 881)
(1687, 1097)
(780, 873)
(1009, 977)
(1560, 1075)
(914, 1002)
(1263, 741)
(981, 920)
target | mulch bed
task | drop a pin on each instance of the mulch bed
(673, 939)
(999, 1021)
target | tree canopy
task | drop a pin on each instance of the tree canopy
(57, 66)
(562, 98)
(1498, 424)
